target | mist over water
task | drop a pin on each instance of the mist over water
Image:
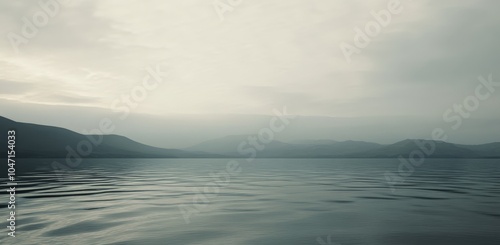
(272, 201)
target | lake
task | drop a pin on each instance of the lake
(268, 201)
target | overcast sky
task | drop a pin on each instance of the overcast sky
(262, 55)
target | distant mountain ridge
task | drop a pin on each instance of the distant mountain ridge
(406, 147)
(347, 149)
(39, 141)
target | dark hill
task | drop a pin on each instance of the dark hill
(39, 141)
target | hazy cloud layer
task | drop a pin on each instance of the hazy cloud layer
(264, 55)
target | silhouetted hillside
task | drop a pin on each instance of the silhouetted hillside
(38, 141)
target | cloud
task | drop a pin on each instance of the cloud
(14, 88)
(263, 55)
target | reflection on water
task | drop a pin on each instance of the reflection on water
(272, 201)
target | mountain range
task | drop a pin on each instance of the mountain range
(39, 141)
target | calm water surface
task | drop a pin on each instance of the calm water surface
(272, 201)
